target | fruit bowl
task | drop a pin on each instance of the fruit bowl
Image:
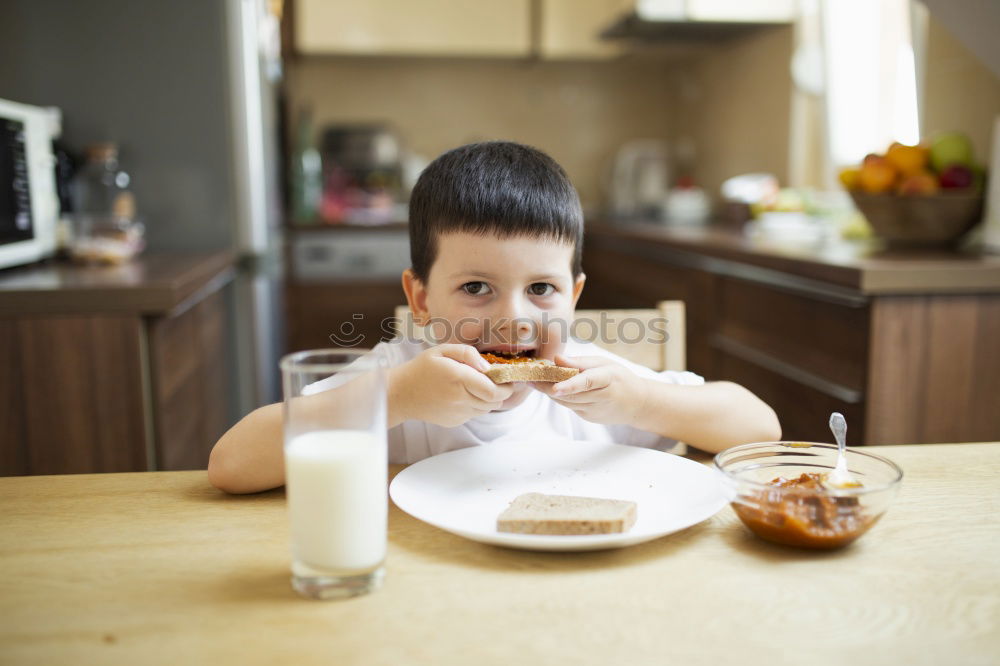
(936, 219)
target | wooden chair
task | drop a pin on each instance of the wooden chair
(636, 334)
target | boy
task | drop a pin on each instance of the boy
(496, 236)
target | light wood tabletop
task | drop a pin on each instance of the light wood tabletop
(161, 568)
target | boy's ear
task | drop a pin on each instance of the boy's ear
(416, 296)
(578, 287)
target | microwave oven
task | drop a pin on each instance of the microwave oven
(29, 204)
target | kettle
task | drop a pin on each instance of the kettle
(638, 181)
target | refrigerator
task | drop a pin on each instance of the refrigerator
(190, 91)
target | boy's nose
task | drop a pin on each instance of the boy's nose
(514, 319)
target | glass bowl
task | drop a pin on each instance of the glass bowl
(811, 516)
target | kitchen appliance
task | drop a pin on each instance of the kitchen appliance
(323, 257)
(638, 182)
(189, 90)
(696, 21)
(29, 205)
(362, 175)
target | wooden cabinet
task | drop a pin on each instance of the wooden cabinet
(343, 284)
(548, 29)
(570, 29)
(420, 27)
(341, 314)
(905, 347)
(119, 369)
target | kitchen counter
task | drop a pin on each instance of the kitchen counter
(862, 267)
(904, 344)
(161, 568)
(131, 360)
(151, 283)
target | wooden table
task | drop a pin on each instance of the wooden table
(158, 567)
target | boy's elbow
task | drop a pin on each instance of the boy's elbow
(763, 424)
(768, 425)
(772, 429)
(220, 471)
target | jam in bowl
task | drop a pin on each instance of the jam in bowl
(780, 491)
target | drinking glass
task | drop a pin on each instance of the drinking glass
(335, 470)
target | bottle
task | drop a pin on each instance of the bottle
(307, 174)
(105, 228)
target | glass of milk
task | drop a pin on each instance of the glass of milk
(335, 470)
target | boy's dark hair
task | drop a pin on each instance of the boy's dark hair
(497, 188)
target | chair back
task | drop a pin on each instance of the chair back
(654, 337)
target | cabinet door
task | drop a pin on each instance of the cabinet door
(82, 388)
(348, 314)
(190, 396)
(13, 434)
(570, 28)
(415, 27)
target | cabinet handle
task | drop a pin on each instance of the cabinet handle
(786, 370)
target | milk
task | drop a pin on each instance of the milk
(337, 504)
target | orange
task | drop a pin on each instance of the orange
(876, 176)
(907, 159)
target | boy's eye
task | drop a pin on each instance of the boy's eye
(476, 288)
(541, 289)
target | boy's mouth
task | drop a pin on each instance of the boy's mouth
(507, 354)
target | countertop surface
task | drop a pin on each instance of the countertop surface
(161, 568)
(867, 267)
(152, 283)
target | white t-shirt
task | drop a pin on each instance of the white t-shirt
(537, 417)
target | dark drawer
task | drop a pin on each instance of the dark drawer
(804, 411)
(825, 339)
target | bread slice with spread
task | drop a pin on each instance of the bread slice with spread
(507, 367)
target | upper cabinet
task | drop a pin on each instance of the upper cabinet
(470, 28)
(570, 29)
(547, 29)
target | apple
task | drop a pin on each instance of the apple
(872, 158)
(956, 177)
(950, 148)
(921, 182)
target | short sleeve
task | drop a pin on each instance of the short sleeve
(390, 351)
(628, 435)
(667, 376)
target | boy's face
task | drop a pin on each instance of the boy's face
(512, 295)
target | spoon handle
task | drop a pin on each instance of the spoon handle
(838, 424)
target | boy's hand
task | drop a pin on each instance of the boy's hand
(444, 385)
(604, 392)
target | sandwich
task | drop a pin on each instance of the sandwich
(537, 513)
(522, 366)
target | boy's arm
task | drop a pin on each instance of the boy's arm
(712, 417)
(437, 386)
(250, 456)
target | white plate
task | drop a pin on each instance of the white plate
(464, 491)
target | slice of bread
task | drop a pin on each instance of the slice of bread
(535, 370)
(537, 513)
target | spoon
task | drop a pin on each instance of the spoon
(840, 477)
